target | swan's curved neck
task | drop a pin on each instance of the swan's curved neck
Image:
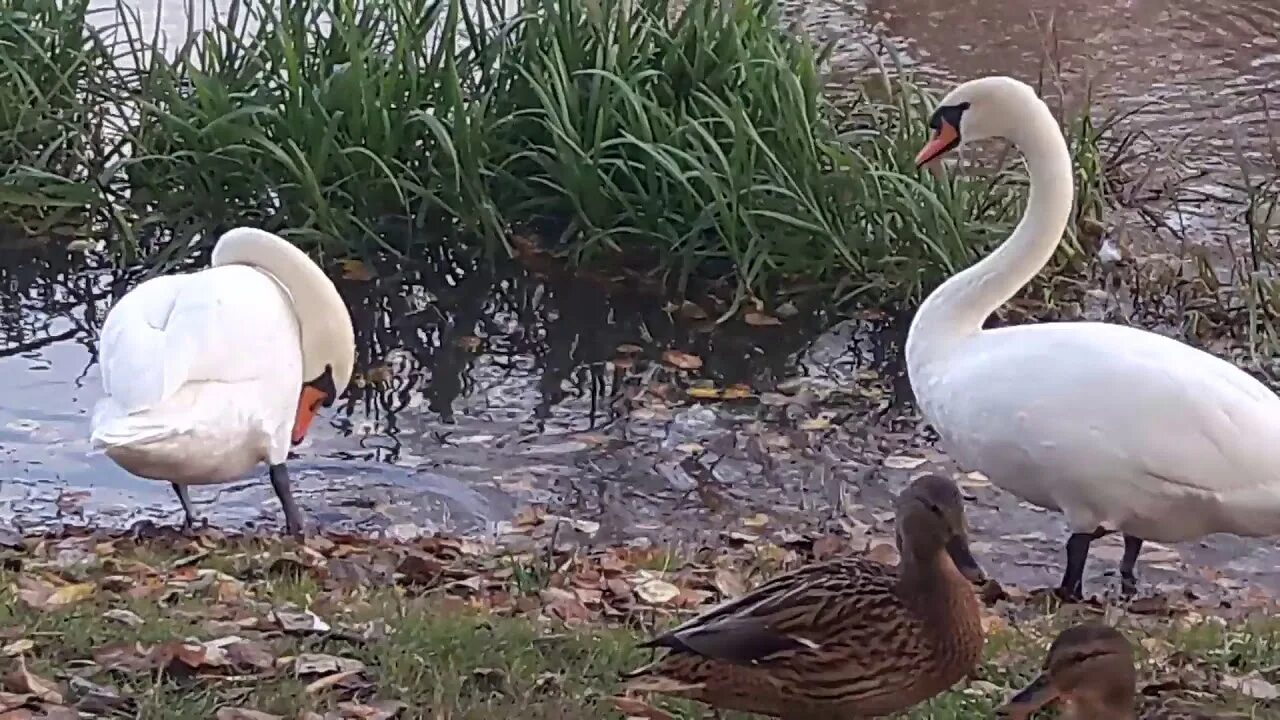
(959, 307)
(324, 322)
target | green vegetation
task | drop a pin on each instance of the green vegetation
(210, 627)
(687, 139)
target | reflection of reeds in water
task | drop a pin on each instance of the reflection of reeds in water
(432, 332)
(49, 296)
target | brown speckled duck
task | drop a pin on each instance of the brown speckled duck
(1089, 671)
(848, 638)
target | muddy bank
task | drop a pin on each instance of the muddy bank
(482, 392)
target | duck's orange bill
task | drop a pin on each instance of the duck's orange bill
(943, 140)
(308, 402)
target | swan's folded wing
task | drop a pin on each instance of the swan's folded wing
(1119, 404)
(139, 366)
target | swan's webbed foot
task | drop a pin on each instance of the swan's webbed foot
(280, 481)
(1128, 578)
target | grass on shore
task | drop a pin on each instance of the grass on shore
(693, 139)
(177, 628)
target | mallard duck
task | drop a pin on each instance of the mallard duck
(850, 637)
(1090, 671)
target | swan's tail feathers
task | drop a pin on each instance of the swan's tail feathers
(113, 428)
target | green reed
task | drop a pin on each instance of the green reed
(698, 142)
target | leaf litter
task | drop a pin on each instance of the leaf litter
(269, 612)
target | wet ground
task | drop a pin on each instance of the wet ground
(486, 391)
(482, 392)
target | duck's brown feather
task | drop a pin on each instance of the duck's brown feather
(838, 638)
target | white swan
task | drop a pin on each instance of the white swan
(1120, 429)
(209, 373)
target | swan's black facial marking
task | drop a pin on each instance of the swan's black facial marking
(949, 114)
(324, 384)
(945, 124)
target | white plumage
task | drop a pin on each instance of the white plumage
(202, 372)
(1119, 428)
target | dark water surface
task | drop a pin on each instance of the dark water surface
(483, 391)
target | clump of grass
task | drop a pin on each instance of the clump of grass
(51, 62)
(695, 139)
(325, 118)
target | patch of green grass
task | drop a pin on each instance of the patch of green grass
(446, 657)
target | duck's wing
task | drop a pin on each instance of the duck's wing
(806, 610)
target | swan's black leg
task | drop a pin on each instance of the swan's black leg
(1072, 588)
(189, 515)
(1128, 580)
(280, 481)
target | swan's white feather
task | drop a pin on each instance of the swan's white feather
(1115, 426)
(201, 375)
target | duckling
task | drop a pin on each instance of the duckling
(1089, 669)
(845, 638)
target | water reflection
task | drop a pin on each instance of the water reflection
(478, 386)
(1192, 70)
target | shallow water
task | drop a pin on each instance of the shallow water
(1199, 70)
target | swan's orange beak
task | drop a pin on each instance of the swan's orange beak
(945, 138)
(308, 403)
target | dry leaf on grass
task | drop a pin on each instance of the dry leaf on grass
(322, 664)
(299, 622)
(240, 713)
(1252, 685)
(657, 592)
(18, 647)
(21, 680)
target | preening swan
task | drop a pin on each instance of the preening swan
(209, 373)
(1119, 428)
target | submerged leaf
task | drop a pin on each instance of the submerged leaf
(682, 360)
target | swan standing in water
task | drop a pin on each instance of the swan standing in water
(209, 373)
(1119, 428)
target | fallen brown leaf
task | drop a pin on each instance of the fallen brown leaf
(316, 687)
(34, 592)
(322, 664)
(18, 647)
(380, 710)
(22, 680)
(240, 713)
(760, 319)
